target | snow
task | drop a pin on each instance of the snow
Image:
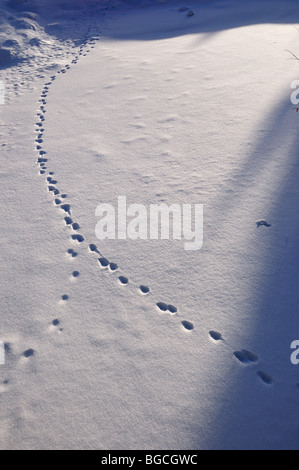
(157, 106)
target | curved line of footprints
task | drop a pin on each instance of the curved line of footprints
(60, 200)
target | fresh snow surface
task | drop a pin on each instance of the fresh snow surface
(138, 99)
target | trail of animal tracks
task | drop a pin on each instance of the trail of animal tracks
(121, 344)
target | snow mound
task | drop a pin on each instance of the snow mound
(24, 24)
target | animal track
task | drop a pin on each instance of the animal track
(66, 208)
(68, 221)
(55, 326)
(216, 336)
(103, 262)
(246, 357)
(172, 309)
(162, 306)
(166, 308)
(93, 248)
(187, 325)
(113, 266)
(78, 238)
(243, 356)
(71, 252)
(29, 353)
(266, 378)
(259, 223)
(144, 289)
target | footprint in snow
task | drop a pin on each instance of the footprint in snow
(78, 238)
(261, 222)
(245, 357)
(215, 335)
(144, 289)
(68, 220)
(162, 306)
(29, 353)
(66, 208)
(166, 308)
(55, 326)
(104, 262)
(93, 248)
(187, 325)
(72, 253)
(266, 378)
(113, 266)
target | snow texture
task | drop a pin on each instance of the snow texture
(121, 344)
